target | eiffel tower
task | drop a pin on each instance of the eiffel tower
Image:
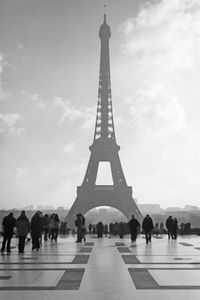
(104, 149)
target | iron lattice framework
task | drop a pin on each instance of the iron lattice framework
(104, 149)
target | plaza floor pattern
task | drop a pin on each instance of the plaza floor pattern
(108, 268)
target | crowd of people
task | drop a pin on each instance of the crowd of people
(39, 226)
(132, 227)
(46, 227)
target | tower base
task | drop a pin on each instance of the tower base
(103, 195)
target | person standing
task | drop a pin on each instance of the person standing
(147, 226)
(174, 229)
(134, 226)
(83, 227)
(169, 226)
(36, 228)
(51, 226)
(23, 226)
(99, 227)
(45, 222)
(79, 225)
(8, 227)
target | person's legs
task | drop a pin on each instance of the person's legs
(146, 237)
(149, 237)
(8, 243)
(4, 243)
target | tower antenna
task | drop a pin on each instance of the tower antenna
(105, 9)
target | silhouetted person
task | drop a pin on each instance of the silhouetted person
(63, 227)
(8, 227)
(156, 229)
(79, 225)
(36, 228)
(93, 228)
(121, 230)
(99, 228)
(83, 227)
(134, 227)
(111, 228)
(161, 230)
(174, 228)
(90, 228)
(147, 226)
(45, 222)
(169, 225)
(105, 229)
(51, 226)
(23, 226)
(56, 227)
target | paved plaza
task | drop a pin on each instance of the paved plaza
(108, 268)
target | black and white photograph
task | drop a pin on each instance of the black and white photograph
(99, 149)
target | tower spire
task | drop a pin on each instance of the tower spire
(104, 127)
(104, 13)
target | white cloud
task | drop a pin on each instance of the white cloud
(71, 113)
(155, 111)
(165, 34)
(11, 124)
(38, 100)
(69, 148)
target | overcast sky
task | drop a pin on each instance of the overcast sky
(49, 68)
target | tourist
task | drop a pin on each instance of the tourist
(169, 225)
(23, 226)
(79, 225)
(90, 228)
(45, 222)
(8, 227)
(161, 230)
(83, 227)
(105, 230)
(134, 226)
(99, 228)
(147, 226)
(174, 229)
(51, 226)
(121, 230)
(56, 227)
(36, 228)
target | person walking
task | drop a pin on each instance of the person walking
(169, 226)
(23, 226)
(45, 226)
(56, 227)
(134, 226)
(8, 227)
(174, 229)
(36, 227)
(147, 226)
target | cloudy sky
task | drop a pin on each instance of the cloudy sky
(49, 65)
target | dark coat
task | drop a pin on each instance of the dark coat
(147, 224)
(169, 224)
(133, 225)
(36, 226)
(8, 224)
(99, 228)
(22, 225)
